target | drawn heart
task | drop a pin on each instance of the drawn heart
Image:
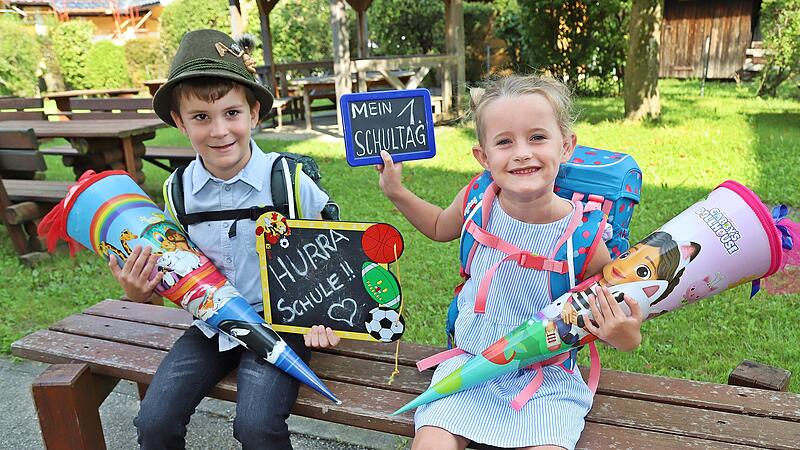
(340, 313)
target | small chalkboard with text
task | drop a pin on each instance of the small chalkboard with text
(334, 274)
(400, 122)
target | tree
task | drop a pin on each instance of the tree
(574, 40)
(406, 27)
(780, 23)
(19, 58)
(182, 16)
(71, 43)
(641, 67)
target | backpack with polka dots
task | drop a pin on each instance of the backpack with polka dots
(603, 185)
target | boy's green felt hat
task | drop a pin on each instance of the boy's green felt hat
(210, 53)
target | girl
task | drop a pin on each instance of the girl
(524, 133)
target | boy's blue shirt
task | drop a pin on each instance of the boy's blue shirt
(237, 257)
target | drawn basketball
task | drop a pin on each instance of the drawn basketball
(382, 243)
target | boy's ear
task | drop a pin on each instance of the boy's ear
(178, 121)
(254, 114)
(568, 147)
(480, 156)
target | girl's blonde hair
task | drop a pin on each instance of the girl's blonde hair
(556, 92)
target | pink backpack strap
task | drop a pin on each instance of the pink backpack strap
(577, 216)
(523, 259)
(530, 389)
(594, 368)
(438, 358)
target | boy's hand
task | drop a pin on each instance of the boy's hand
(320, 337)
(391, 175)
(613, 326)
(134, 275)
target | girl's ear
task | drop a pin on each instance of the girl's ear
(178, 122)
(480, 156)
(568, 147)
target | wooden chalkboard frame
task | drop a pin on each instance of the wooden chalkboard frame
(306, 224)
(347, 99)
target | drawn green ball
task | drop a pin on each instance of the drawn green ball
(381, 285)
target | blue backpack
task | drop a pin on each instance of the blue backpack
(604, 185)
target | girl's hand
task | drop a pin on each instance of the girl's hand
(320, 337)
(134, 275)
(613, 326)
(390, 180)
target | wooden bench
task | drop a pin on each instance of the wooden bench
(111, 108)
(114, 340)
(24, 199)
(175, 156)
(17, 108)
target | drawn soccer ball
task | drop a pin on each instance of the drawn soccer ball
(385, 324)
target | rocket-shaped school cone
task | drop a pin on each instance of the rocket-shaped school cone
(725, 240)
(109, 213)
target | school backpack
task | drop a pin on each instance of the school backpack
(284, 177)
(612, 178)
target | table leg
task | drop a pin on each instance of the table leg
(130, 161)
(67, 398)
(307, 108)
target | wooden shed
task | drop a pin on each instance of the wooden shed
(728, 24)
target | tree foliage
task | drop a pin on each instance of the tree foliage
(19, 58)
(71, 43)
(406, 27)
(301, 31)
(145, 59)
(182, 16)
(580, 41)
(780, 25)
(106, 67)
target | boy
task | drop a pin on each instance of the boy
(212, 97)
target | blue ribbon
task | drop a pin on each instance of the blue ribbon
(779, 213)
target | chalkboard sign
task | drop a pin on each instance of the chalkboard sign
(330, 273)
(399, 122)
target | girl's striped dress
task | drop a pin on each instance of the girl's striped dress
(483, 414)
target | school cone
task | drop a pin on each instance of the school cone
(725, 240)
(110, 214)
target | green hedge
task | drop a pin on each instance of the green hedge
(19, 58)
(106, 66)
(145, 59)
(71, 42)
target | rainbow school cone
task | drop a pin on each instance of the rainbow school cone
(109, 213)
(725, 240)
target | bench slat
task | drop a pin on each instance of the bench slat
(139, 364)
(327, 366)
(178, 318)
(36, 190)
(720, 397)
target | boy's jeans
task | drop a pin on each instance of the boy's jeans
(265, 395)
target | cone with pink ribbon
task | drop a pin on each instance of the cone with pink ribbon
(725, 240)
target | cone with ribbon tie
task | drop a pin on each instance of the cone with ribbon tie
(110, 214)
(722, 241)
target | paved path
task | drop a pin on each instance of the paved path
(211, 426)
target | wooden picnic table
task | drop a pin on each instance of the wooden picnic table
(101, 144)
(153, 85)
(324, 87)
(62, 98)
(113, 340)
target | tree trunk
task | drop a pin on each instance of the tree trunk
(641, 65)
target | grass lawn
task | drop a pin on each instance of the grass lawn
(698, 143)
